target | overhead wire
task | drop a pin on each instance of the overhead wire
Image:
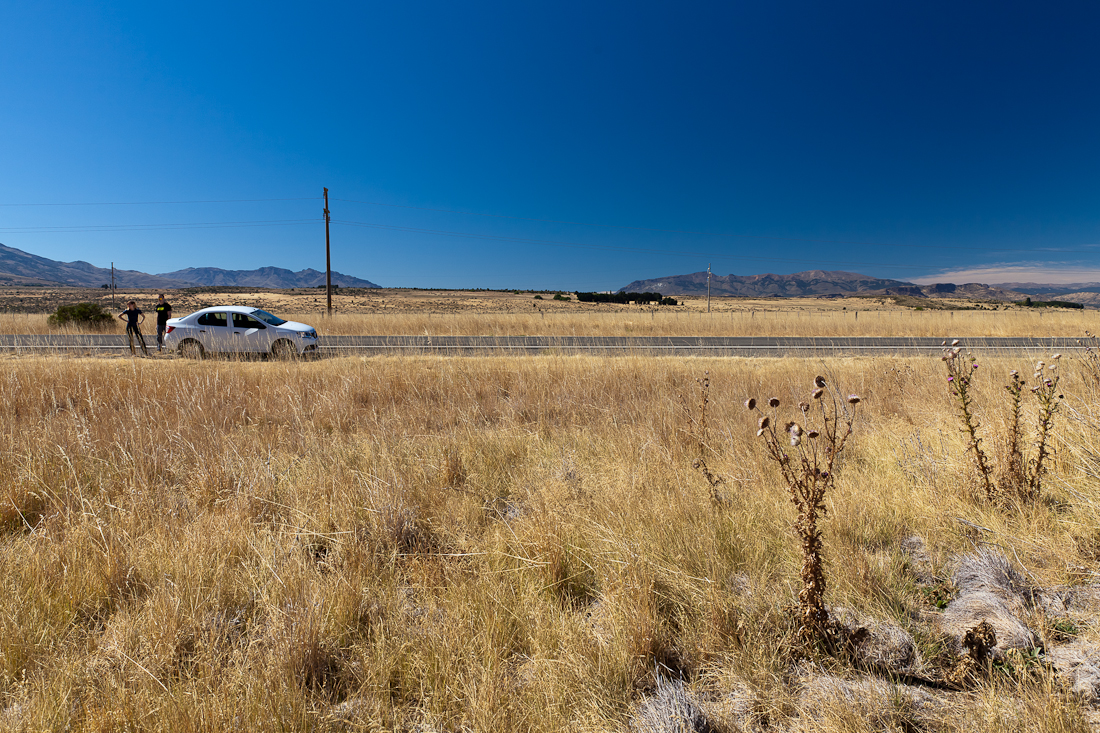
(148, 203)
(90, 228)
(713, 234)
(644, 250)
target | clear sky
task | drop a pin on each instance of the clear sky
(572, 145)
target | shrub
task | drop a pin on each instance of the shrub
(81, 315)
(623, 298)
(1015, 477)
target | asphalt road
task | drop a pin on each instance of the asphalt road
(504, 345)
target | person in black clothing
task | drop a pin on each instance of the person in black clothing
(164, 312)
(131, 316)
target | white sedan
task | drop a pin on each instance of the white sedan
(239, 330)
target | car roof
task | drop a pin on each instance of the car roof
(229, 308)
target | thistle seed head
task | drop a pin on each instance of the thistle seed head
(955, 342)
(1056, 357)
(750, 403)
(813, 433)
(764, 422)
(796, 429)
(796, 440)
(819, 381)
(853, 399)
(816, 394)
(773, 402)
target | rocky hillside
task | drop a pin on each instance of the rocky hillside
(24, 268)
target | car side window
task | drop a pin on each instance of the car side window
(212, 319)
(243, 320)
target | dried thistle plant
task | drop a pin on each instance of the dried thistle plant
(1015, 477)
(700, 463)
(806, 450)
(1090, 357)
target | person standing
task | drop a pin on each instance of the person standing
(164, 312)
(131, 316)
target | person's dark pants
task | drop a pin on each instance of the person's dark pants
(132, 333)
(161, 328)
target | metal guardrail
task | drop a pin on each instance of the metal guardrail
(657, 345)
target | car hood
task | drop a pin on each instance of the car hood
(295, 326)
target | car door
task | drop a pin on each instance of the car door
(213, 331)
(250, 335)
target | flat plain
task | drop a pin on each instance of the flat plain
(528, 543)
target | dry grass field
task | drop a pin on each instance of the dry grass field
(502, 544)
(481, 313)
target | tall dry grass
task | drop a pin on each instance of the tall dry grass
(477, 544)
(668, 321)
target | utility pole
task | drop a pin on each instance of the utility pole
(328, 257)
(114, 300)
(708, 287)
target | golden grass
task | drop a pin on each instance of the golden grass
(576, 321)
(479, 544)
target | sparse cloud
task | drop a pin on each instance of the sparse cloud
(1060, 274)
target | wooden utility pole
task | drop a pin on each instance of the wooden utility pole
(114, 298)
(328, 258)
(708, 287)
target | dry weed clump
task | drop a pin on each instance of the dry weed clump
(493, 544)
(806, 453)
(1016, 477)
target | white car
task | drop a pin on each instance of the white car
(238, 330)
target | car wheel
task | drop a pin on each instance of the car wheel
(191, 349)
(283, 349)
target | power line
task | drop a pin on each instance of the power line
(580, 245)
(154, 227)
(147, 203)
(712, 234)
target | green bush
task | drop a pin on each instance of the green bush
(82, 315)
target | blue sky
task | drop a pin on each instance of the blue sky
(556, 145)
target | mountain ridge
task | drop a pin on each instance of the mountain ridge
(265, 277)
(810, 282)
(816, 283)
(23, 268)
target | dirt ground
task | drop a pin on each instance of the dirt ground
(390, 300)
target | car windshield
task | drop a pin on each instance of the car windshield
(268, 318)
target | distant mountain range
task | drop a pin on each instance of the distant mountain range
(265, 277)
(830, 283)
(812, 282)
(22, 268)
